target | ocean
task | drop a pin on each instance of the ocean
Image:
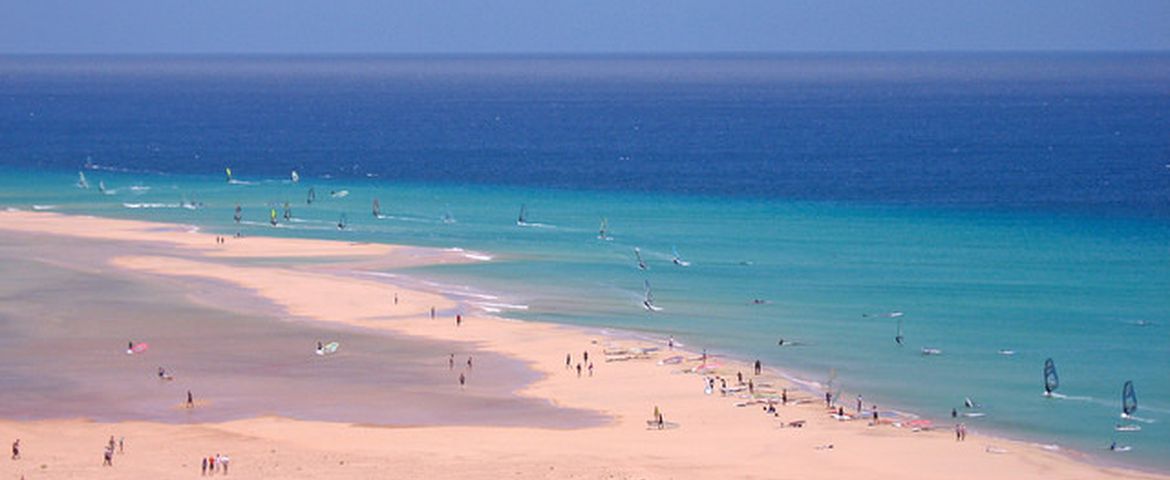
(993, 201)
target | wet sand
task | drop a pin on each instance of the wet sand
(67, 319)
(708, 436)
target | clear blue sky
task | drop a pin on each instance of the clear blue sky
(578, 26)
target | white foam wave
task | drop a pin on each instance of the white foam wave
(150, 205)
(44, 207)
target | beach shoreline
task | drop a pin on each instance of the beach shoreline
(623, 390)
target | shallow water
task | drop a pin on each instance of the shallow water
(66, 318)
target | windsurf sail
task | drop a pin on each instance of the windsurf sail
(447, 218)
(81, 181)
(638, 255)
(603, 230)
(296, 177)
(342, 222)
(1128, 399)
(648, 300)
(377, 209)
(899, 337)
(522, 218)
(311, 196)
(677, 259)
(239, 214)
(287, 211)
(272, 217)
(228, 172)
(102, 186)
(1051, 379)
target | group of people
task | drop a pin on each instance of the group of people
(585, 358)
(212, 465)
(462, 375)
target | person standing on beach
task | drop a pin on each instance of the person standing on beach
(958, 432)
(121, 445)
(585, 356)
(568, 360)
(590, 369)
(16, 448)
(225, 461)
(432, 313)
(190, 400)
(875, 415)
(784, 396)
(462, 380)
(739, 377)
(828, 400)
(469, 362)
(578, 370)
(670, 343)
(859, 404)
(108, 457)
(204, 467)
(759, 366)
(458, 320)
(451, 362)
(751, 387)
(704, 356)
(396, 298)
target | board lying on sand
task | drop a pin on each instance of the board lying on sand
(138, 348)
(329, 348)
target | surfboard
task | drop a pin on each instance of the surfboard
(138, 348)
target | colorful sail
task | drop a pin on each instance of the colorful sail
(228, 171)
(272, 217)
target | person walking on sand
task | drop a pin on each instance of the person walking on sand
(432, 313)
(751, 387)
(396, 298)
(204, 467)
(578, 370)
(859, 404)
(585, 356)
(225, 461)
(958, 432)
(828, 399)
(739, 378)
(16, 449)
(108, 457)
(458, 320)
(462, 380)
(112, 443)
(590, 369)
(190, 400)
(451, 362)
(784, 396)
(469, 362)
(875, 415)
(121, 445)
(211, 466)
(568, 361)
(759, 367)
(670, 343)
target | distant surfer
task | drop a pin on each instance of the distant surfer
(898, 339)
(780, 343)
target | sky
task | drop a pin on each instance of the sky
(578, 26)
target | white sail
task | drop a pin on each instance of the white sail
(296, 177)
(638, 256)
(677, 259)
(648, 299)
(81, 181)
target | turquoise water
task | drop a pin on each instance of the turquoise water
(1074, 288)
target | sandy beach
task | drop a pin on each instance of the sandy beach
(539, 419)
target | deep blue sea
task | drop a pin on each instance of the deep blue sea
(1017, 202)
